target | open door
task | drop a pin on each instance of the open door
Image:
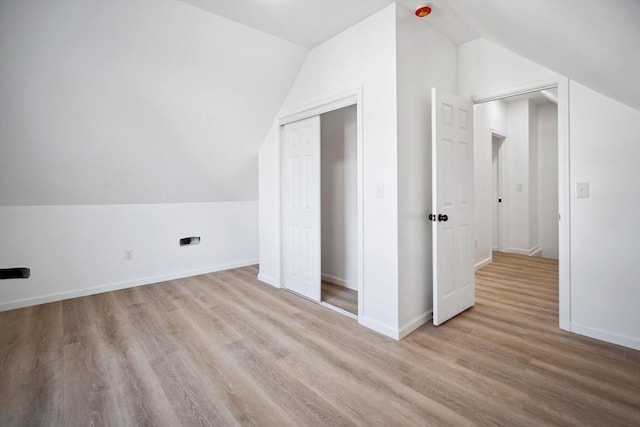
(452, 169)
(301, 190)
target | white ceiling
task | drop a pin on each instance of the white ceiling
(595, 42)
(304, 22)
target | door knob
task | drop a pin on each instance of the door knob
(432, 217)
(442, 217)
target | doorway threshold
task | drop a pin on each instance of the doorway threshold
(338, 309)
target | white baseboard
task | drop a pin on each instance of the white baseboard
(339, 281)
(338, 310)
(59, 296)
(484, 262)
(415, 323)
(518, 251)
(397, 334)
(625, 341)
(268, 280)
(535, 251)
(379, 327)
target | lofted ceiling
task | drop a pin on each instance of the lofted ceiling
(595, 42)
(304, 22)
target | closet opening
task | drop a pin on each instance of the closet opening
(339, 210)
(322, 202)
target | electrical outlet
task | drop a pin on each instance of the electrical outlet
(128, 254)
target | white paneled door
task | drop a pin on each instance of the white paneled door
(301, 190)
(452, 169)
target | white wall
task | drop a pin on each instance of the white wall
(269, 239)
(548, 180)
(79, 250)
(484, 68)
(425, 59)
(339, 196)
(604, 151)
(534, 249)
(133, 102)
(487, 117)
(113, 115)
(516, 148)
(605, 228)
(363, 57)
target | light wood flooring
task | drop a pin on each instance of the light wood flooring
(224, 349)
(339, 296)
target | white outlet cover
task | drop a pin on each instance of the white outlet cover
(582, 190)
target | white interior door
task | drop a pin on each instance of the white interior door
(301, 190)
(452, 169)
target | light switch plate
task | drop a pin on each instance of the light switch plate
(582, 190)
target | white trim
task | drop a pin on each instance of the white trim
(322, 106)
(360, 201)
(564, 199)
(338, 310)
(337, 101)
(397, 334)
(564, 189)
(415, 324)
(498, 133)
(379, 327)
(268, 280)
(518, 251)
(599, 334)
(535, 251)
(340, 282)
(59, 296)
(503, 183)
(545, 84)
(483, 263)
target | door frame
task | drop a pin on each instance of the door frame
(564, 187)
(503, 181)
(331, 103)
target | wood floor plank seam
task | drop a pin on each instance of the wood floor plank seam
(226, 349)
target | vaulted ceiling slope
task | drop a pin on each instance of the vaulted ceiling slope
(134, 102)
(305, 22)
(595, 42)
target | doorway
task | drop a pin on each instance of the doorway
(338, 193)
(527, 173)
(524, 175)
(497, 178)
(322, 255)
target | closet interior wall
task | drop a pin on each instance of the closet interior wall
(339, 196)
